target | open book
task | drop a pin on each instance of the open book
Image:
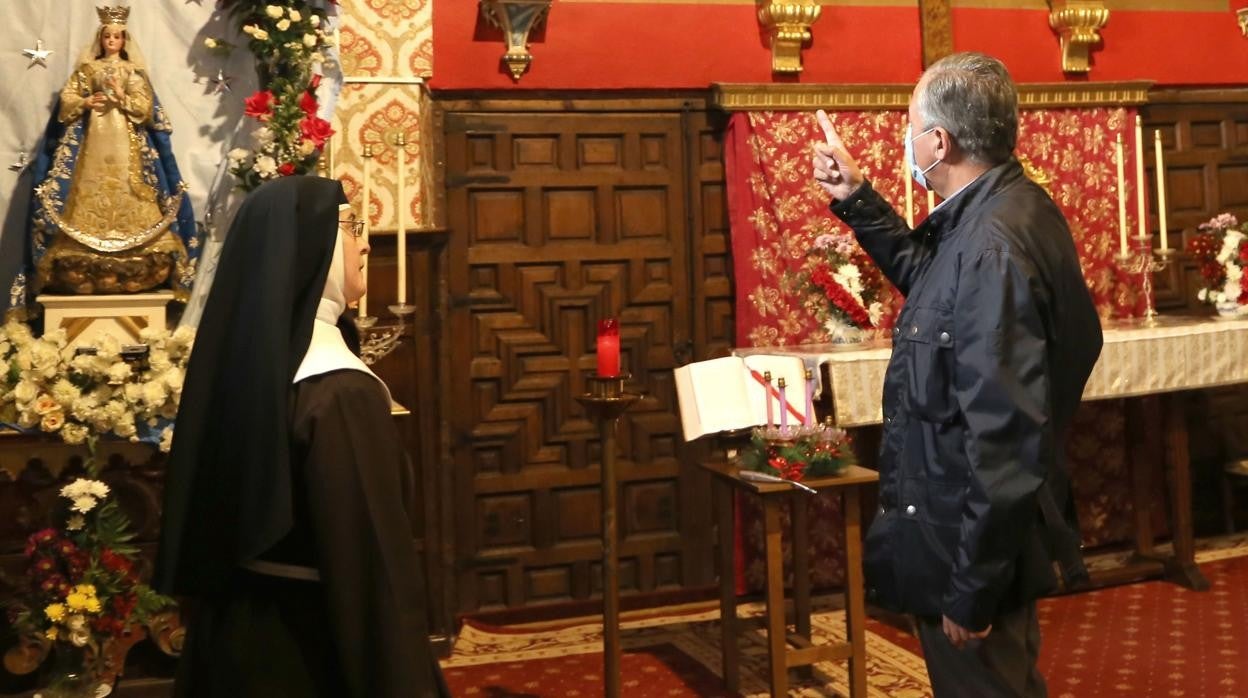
(730, 393)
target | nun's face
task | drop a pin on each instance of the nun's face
(354, 251)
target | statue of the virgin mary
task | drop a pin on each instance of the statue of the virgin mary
(109, 212)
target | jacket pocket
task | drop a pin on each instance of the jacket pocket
(929, 340)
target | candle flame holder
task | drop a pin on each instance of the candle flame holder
(378, 341)
(1146, 261)
(605, 402)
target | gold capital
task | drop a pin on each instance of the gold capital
(788, 25)
(1078, 24)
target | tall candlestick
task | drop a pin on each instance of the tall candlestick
(784, 406)
(401, 205)
(1161, 191)
(810, 398)
(608, 347)
(1140, 188)
(767, 390)
(1122, 197)
(365, 208)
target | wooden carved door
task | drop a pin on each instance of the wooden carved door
(559, 219)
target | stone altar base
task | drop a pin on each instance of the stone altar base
(87, 319)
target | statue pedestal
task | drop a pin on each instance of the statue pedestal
(87, 319)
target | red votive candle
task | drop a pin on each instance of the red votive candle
(608, 348)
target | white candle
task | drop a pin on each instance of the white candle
(1161, 191)
(905, 174)
(1122, 197)
(401, 205)
(365, 209)
(931, 201)
(1140, 188)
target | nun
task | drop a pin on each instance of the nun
(284, 524)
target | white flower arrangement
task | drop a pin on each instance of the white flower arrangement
(89, 391)
(1220, 250)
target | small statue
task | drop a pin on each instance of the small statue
(109, 212)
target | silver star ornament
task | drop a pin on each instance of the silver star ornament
(221, 83)
(37, 55)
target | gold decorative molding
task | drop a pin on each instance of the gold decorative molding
(1242, 15)
(1078, 24)
(936, 23)
(771, 97)
(516, 18)
(788, 26)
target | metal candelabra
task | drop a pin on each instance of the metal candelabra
(377, 341)
(1146, 261)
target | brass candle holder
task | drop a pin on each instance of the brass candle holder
(605, 402)
(1141, 260)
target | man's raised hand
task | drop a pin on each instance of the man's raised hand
(835, 170)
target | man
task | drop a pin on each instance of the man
(990, 355)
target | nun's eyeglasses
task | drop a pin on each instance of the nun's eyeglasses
(355, 228)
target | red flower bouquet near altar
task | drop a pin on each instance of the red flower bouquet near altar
(83, 594)
(1220, 249)
(840, 287)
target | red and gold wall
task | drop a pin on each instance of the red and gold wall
(627, 44)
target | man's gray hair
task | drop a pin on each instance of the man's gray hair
(971, 96)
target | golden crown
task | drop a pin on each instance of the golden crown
(113, 15)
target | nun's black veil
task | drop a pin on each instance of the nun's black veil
(228, 488)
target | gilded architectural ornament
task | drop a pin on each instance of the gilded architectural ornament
(1078, 24)
(788, 26)
(516, 18)
(1242, 14)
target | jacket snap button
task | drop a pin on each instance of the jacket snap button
(944, 336)
(896, 331)
(910, 510)
(914, 329)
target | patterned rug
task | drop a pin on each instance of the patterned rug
(1139, 640)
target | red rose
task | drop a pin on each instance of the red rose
(316, 130)
(259, 106)
(1243, 252)
(315, 83)
(287, 169)
(113, 562)
(308, 103)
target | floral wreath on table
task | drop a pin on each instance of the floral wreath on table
(799, 453)
(83, 601)
(289, 41)
(1220, 249)
(840, 287)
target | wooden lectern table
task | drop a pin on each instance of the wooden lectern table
(803, 652)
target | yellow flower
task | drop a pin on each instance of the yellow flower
(85, 589)
(93, 605)
(55, 612)
(77, 602)
(51, 634)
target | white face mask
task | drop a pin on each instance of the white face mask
(919, 175)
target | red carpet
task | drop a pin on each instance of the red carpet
(1137, 641)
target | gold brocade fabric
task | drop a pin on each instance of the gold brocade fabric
(110, 207)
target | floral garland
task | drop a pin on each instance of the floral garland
(1220, 249)
(840, 287)
(290, 42)
(90, 391)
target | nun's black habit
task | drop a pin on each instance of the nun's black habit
(284, 518)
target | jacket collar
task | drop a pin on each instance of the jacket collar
(946, 218)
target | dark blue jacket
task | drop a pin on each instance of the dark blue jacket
(990, 356)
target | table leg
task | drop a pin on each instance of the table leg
(1143, 420)
(727, 587)
(1182, 570)
(776, 641)
(799, 508)
(855, 610)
